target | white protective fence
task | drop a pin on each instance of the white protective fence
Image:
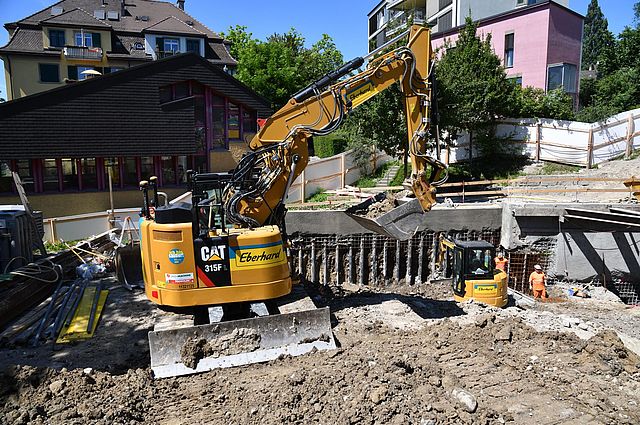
(334, 172)
(567, 142)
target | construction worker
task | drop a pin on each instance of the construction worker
(537, 281)
(501, 262)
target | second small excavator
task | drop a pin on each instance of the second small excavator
(228, 247)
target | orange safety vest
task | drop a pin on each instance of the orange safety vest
(501, 264)
(537, 281)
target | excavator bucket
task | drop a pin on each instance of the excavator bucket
(401, 222)
(184, 350)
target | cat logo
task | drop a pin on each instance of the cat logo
(212, 253)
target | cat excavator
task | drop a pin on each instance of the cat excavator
(228, 247)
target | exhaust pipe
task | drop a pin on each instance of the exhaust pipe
(144, 187)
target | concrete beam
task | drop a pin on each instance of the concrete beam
(440, 219)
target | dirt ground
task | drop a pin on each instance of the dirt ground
(407, 355)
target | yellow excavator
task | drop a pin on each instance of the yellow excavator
(470, 267)
(228, 247)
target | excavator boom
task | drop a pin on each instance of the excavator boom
(280, 149)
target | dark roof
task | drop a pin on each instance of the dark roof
(123, 46)
(125, 115)
(217, 53)
(173, 25)
(77, 17)
(26, 40)
(131, 21)
(141, 16)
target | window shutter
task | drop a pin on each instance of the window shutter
(73, 72)
(159, 44)
(95, 39)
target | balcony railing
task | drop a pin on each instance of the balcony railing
(80, 52)
(162, 54)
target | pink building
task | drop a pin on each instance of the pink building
(541, 44)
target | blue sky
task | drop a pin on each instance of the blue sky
(343, 20)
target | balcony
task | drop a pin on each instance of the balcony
(406, 4)
(399, 20)
(162, 54)
(83, 53)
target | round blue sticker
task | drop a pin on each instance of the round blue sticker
(176, 256)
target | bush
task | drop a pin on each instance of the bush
(326, 146)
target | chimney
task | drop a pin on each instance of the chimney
(180, 4)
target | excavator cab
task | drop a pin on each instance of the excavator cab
(469, 265)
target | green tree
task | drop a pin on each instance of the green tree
(281, 65)
(597, 41)
(535, 103)
(377, 124)
(473, 88)
(613, 94)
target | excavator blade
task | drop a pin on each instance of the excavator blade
(194, 349)
(402, 222)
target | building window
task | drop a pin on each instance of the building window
(24, 167)
(517, 80)
(508, 50)
(171, 45)
(89, 173)
(50, 175)
(81, 69)
(56, 38)
(83, 39)
(562, 76)
(168, 170)
(249, 125)
(181, 172)
(444, 3)
(218, 122)
(193, 46)
(146, 168)
(70, 175)
(233, 120)
(6, 179)
(112, 168)
(130, 172)
(49, 73)
(445, 22)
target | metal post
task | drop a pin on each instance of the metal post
(524, 274)
(314, 276)
(409, 261)
(352, 279)
(363, 265)
(338, 262)
(325, 264)
(374, 260)
(420, 259)
(301, 271)
(385, 268)
(396, 266)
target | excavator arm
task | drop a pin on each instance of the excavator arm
(279, 151)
